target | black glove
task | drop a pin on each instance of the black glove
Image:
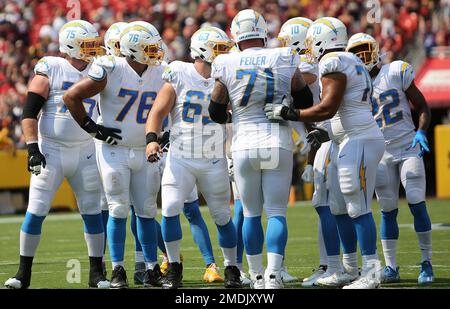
(317, 136)
(164, 141)
(35, 159)
(109, 135)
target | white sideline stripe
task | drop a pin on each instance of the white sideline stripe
(434, 226)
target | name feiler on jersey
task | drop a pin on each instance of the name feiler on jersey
(56, 122)
(255, 77)
(354, 116)
(127, 98)
(193, 134)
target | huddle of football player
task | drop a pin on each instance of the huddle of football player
(122, 126)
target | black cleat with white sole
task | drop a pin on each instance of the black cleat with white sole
(119, 278)
(232, 278)
(153, 277)
(174, 277)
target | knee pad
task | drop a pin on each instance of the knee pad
(91, 179)
(148, 210)
(221, 215)
(348, 180)
(415, 195)
(113, 182)
(119, 211)
(172, 205)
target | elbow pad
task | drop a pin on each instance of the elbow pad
(303, 98)
(218, 112)
(33, 105)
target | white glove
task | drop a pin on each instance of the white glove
(273, 111)
(308, 174)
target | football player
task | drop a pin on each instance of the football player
(127, 86)
(58, 149)
(293, 34)
(196, 154)
(393, 91)
(357, 148)
(261, 149)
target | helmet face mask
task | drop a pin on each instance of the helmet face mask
(112, 38)
(142, 43)
(80, 40)
(366, 48)
(293, 34)
(325, 34)
(208, 43)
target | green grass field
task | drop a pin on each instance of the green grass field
(63, 240)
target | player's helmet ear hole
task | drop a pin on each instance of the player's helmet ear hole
(71, 47)
(202, 49)
(318, 43)
(133, 50)
(296, 43)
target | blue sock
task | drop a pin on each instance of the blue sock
(171, 228)
(422, 222)
(146, 229)
(227, 235)
(347, 233)
(161, 244)
(133, 226)
(32, 224)
(276, 234)
(329, 230)
(93, 224)
(116, 238)
(238, 221)
(199, 231)
(389, 226)
(253, 235)
(366, 232)
(105, 216)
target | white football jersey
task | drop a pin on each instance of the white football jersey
(255, 77)
(127, 98)
(56, 122)
(354, 116)
(390, 106)
(193, 134)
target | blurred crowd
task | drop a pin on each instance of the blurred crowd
(29, 31)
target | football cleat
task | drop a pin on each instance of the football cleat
(139, 273)
(212, 274)
(98, 280)
(286, 276)
(174, 277)
(244, 280)
(426, 275)
(119, 278)
(363, 283)
(311, 280)
(337, 279)
(232, 277)
(390, 275)
(164, 264)
(273, 281)
(258, 283)
(13, 283)
(153, 277)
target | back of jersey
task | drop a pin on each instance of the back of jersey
(256, 77)
(354, 116)
(56, 122)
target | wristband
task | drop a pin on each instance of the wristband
(151, 137)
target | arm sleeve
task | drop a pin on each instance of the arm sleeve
(101, 67)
